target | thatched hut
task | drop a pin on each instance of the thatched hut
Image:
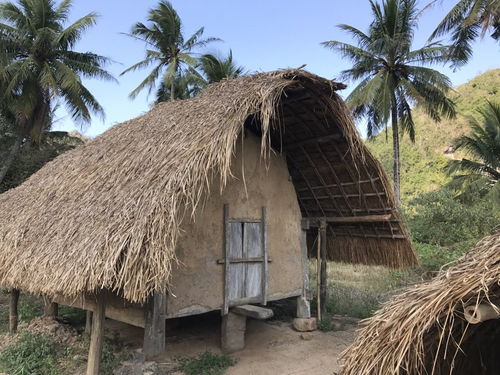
(203, 199)
(449, 325)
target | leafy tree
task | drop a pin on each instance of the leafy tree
(466, 21)
(39, 66)
(481, 172)
(168, 50)
(393, 76)
(30, 160)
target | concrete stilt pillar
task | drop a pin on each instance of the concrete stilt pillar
(303, 308)
(233, 332)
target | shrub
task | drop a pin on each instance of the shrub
(441, 219)
(72, 315)
(206, 364)
(30, 355)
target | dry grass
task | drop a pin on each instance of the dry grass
(423, 331)
(107, 215)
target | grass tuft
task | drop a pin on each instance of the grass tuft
(206, 364)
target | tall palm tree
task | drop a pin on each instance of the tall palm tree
(39, 66)
(167, 49)
(481, 171)
(466, 21)
(393, 77)
(216, 69)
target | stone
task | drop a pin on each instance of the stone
(138, 356)
(233, 332)
(303, 308)
(306, 336)
(305, 324)
(255, 312)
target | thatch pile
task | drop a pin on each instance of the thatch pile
(106, 215)
(424, 332)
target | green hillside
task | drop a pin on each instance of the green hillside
(422, 163)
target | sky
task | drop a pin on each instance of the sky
(264, 35)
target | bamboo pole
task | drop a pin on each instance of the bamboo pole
(323, 276)
(13, 315)
(318, 275)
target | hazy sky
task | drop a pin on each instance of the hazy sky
(263, 34)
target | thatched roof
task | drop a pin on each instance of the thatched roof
(424, 331)
(107, 214)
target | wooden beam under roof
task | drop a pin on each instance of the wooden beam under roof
(351, 219)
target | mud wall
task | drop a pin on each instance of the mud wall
(197, 283)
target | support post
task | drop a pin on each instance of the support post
(155, 312)
(88, 321)
(225, 307)
(50, 309)
(303, 306)
(323, 276)
(13, 315)
(305, 259)
(318, 275)
(233, 332)
(96, 337)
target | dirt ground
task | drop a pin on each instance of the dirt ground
(272, 348)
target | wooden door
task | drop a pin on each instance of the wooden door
(245, 261)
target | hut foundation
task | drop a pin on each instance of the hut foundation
(303, 308)
(233, 332)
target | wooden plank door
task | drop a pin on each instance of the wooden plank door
(245, 261)
(252, 249)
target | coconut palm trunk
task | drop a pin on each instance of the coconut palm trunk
(396, 160)
(172, 90)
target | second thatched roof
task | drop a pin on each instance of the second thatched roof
(106, 215)
(425, 331)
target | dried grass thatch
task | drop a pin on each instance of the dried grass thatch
(423, 331)
(106, 215)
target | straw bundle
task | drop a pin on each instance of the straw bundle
(107, 215)
(424, 331)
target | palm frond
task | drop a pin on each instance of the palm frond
(149, 82)
(73, 33)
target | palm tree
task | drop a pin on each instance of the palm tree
(185, 86)
(192, 81)
(481, 172)
(167, 49)
(216, 69)
(466, 21)
(39, 66)
(393, 76)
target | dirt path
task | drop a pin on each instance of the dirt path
(277, 349)
(272, 348)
